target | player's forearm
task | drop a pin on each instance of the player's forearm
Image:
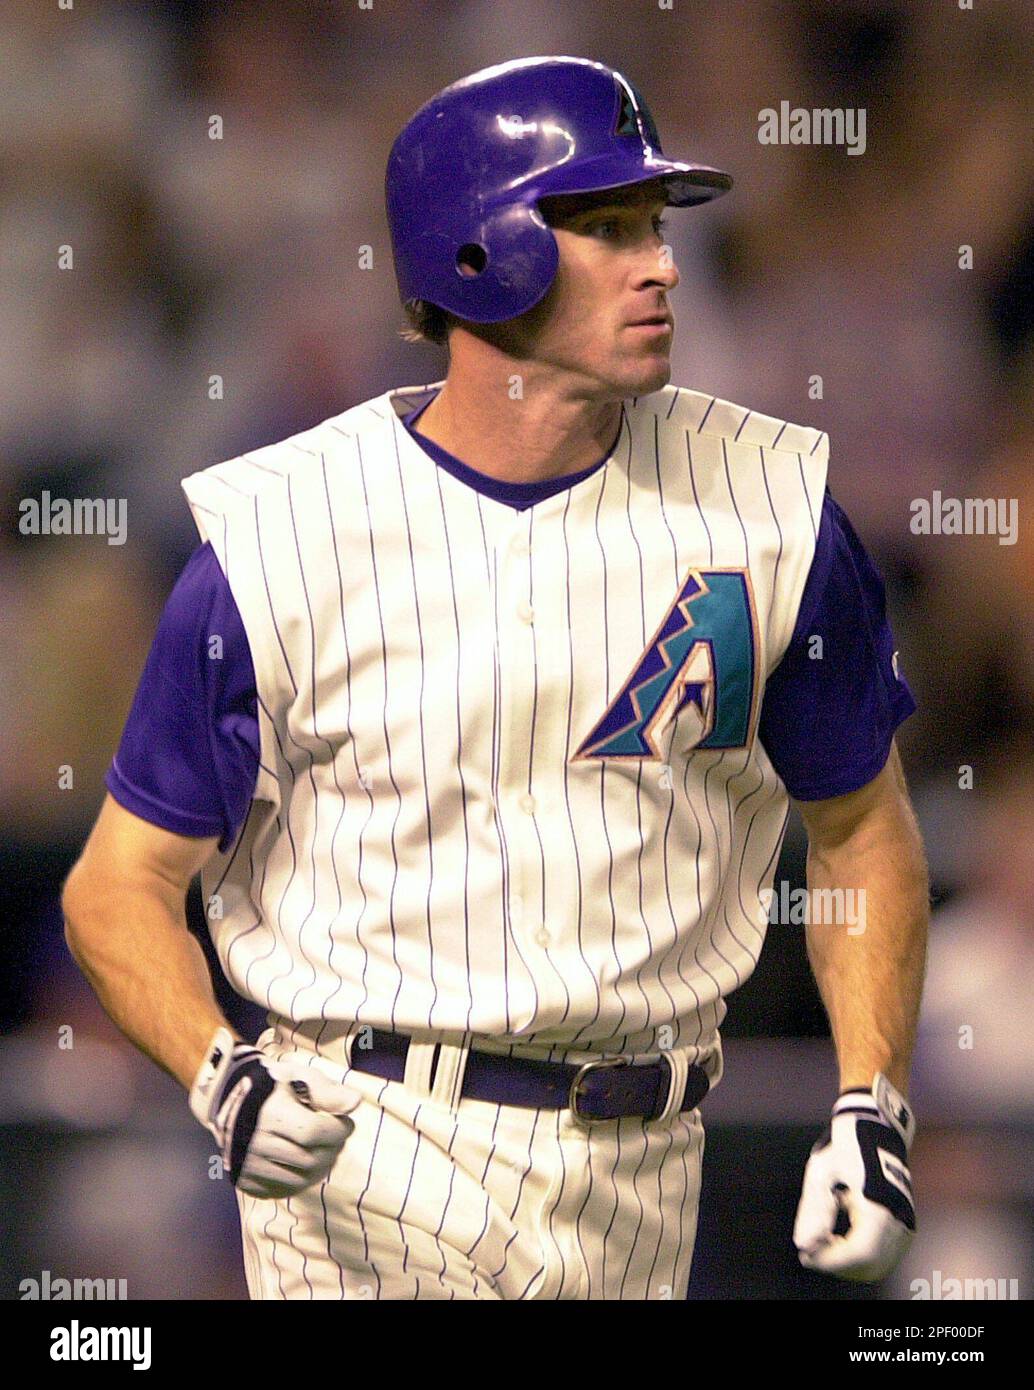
(149, 973)
(870, 971)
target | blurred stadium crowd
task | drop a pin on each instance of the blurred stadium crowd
(241, 258)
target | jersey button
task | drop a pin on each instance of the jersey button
(525, 611)
(542, 937)
(528, 803)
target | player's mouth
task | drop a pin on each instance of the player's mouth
(657, 325)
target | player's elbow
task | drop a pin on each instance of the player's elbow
(79, 901)
(93, 903)
(128, 867)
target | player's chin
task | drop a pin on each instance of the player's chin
(646, 373)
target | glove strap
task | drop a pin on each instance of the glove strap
(208, 1082)
(894, 1110)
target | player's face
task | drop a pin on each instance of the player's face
(606, 320)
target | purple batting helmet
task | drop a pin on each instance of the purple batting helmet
(465, 176)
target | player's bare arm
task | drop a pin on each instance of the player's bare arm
(124, 906)
(856, 1215)
(278, 1130)
(870, 980)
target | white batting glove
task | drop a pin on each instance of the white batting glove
(279, 1125)
(856, 1218)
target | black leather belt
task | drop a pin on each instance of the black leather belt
(607, 1089)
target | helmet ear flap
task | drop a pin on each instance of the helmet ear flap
(513, 260)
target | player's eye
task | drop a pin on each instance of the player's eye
(606, 227)
(612, 228)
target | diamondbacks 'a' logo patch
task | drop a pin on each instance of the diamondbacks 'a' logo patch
(634, 117)
(703, 659)
(627, 123)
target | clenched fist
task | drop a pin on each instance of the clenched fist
(856, 1216)
(279, 1125)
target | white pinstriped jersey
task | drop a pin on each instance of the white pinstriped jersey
(510, 783)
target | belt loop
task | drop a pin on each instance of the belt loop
(420, 1059)
(453, 1051)
(678, 1067)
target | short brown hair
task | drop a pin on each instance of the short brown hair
(425, 323)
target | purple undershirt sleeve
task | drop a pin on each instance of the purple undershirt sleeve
(831, 707)
(188, 756)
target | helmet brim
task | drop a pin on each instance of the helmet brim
(686, 184)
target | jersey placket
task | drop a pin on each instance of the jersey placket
(518, 632)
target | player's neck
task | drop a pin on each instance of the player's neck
(546, 432)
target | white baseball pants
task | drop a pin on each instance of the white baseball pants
(437, 1198)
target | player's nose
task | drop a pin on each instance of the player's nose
(657, 267)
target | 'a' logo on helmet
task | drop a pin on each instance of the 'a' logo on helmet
(628, 123)
(634, 116)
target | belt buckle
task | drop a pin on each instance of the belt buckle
(572, 1097)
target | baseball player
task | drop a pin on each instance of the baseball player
(479, 710)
